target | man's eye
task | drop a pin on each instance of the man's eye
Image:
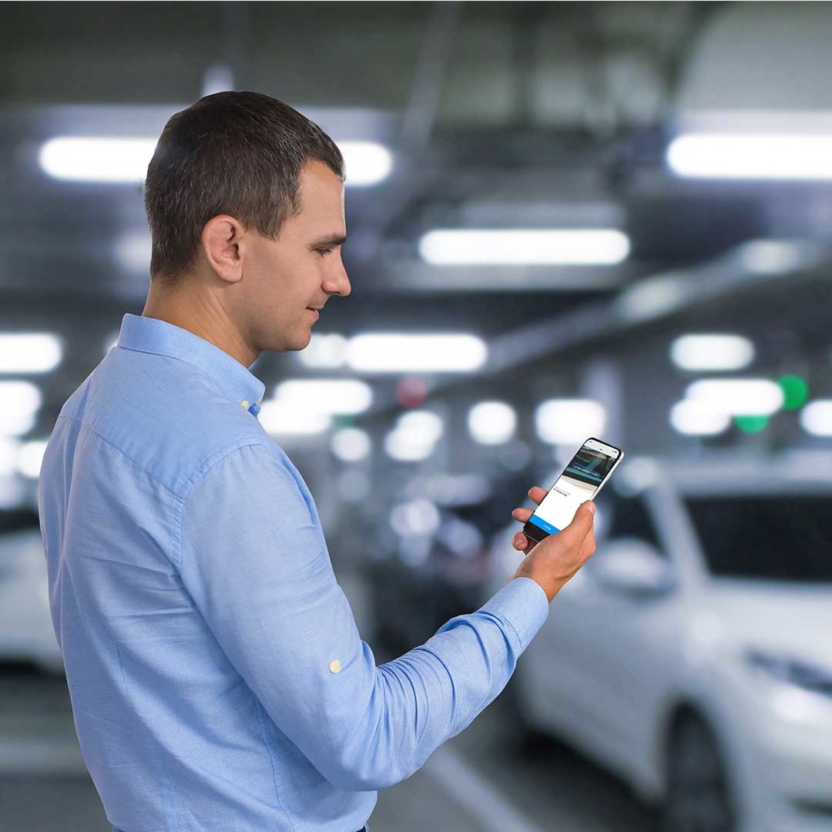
(324, 251)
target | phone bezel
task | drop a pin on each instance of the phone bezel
(529, 525)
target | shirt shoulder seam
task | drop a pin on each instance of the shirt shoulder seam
(205, 466)
(121, 452)
(216, 457)
(178, 498)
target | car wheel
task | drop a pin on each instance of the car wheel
(698, 795)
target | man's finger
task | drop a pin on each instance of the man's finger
(537, 493)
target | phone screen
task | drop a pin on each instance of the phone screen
(580, 481)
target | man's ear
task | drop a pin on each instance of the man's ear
(221, 239)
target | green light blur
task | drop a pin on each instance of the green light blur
(795, 391)
(751, 424)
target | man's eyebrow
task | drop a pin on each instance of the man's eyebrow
(331, 240)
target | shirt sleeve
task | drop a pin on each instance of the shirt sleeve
(257, 567)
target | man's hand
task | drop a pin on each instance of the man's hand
(559, 556)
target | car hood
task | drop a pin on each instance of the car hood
(778, 618)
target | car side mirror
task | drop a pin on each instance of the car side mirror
(632, 566)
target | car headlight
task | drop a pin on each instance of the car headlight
(792, 672)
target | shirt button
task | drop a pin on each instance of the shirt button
(335, 666)
(244, 403)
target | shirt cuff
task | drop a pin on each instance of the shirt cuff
(523, 604)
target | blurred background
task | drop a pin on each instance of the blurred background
(564, 220)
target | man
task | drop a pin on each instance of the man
(217, 678)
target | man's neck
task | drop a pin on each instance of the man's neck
(200, 318)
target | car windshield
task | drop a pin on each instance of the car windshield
(773, 537)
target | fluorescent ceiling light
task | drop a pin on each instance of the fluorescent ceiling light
(566, 421)
(16, 424)
(19, 398)
(326, 351)
(777, 256)
(116, 159)
(816, 417)
(351, 444)
(392, 353)
(13, 492)
(533, 246)
(9, 449)
(96, 159)
(492, 422)
(278, 419)
(711, 352)
(696, 419)
(30, 457)
(365, 163)
(652, 297)
(30, 352)
(19, 403)
(422, 425)
(326, 395)
(414, 436)
(738, 397)
(403, 446)
(416, 517)
(751, 156)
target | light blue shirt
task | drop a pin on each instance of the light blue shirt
(217, 678)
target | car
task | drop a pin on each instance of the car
(26, 630)
(692, 654)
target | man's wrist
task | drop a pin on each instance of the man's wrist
(550, 588)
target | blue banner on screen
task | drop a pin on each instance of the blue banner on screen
(575, 485)
(547, 527)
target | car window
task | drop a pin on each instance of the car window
(625, 516)
(773, 537)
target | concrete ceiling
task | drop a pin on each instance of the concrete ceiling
(498, 113)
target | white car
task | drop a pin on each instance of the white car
(692, 654)
(26, 631)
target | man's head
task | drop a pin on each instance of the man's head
(245, 201)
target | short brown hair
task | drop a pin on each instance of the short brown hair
(234, 152)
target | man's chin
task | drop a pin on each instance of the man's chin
(301, 342)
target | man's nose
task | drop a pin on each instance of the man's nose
(344, 287)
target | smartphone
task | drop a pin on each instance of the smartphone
(581, 480)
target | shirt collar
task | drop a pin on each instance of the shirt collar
(145, 334)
